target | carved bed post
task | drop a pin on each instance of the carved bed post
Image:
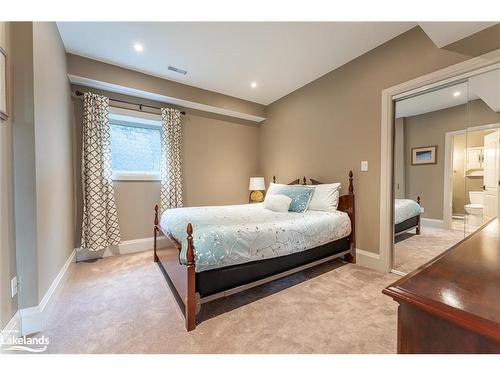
(304, 181)
(190, 299)
(274, 179)
(155, 257)
(417, 231)
(351, 258)
(351, 187)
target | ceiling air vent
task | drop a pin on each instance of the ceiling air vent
(177, 70)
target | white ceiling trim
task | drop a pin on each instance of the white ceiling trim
(77, 80)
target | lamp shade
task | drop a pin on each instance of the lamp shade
(257, 183)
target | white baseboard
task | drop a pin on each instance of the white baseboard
(12, 329)
(432, 223)
(126, 247)
(369, 260)
(33, 318)
(55, 288)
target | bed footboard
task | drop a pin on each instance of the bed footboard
(181, 277)
(156, 229)
(190, 301)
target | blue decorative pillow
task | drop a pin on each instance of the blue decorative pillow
(299, 194)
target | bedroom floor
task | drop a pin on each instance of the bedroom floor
(122, 304)
(412, 251)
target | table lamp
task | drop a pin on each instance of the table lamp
(257, 187)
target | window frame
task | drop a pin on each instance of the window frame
(130, 118)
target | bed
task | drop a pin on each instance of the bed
(213, 252)
(406, 216)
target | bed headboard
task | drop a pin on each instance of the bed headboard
(350, 188)
(346, 202)
(294, 182)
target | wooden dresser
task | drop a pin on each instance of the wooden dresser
(452, 303)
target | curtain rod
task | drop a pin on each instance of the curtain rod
(79, 93)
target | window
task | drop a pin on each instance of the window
(135, 148)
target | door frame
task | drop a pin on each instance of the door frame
(477, 65)
(448, 169)
(497, 175)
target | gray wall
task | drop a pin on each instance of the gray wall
(37, 235)
(8, 305)
(329, 126)
(23, 117)
(429, 129)
(54, 149)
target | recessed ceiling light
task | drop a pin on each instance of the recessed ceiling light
(253, 85)
(456, 93)
(138, 47)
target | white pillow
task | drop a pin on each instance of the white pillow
(277, 202)
(325, 197)
(272, 187)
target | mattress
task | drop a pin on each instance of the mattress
(405, 209)
(229, 235)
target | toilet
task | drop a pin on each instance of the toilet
(475, 208)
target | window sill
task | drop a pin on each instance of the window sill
(135, 176)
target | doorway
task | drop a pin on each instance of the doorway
(468, 171)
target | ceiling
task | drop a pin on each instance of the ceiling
(279, 57)
(484, 86)
(433, 101)
(487, 87)
(444, 33)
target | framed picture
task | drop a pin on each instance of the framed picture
(3, 85)
(423, 155)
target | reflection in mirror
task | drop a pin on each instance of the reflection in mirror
(430, 140)
(483, 154)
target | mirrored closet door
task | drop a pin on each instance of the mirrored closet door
(446, 167)
(430, 131)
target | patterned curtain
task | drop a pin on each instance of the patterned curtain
(171, 159)
(100, 220)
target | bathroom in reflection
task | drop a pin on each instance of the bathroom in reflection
(446, 167)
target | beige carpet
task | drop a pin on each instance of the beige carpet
(122, 304)
(411, 251)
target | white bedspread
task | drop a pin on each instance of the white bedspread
(228, 235)
(404, 209)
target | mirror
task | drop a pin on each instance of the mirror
(430, 143)
(482, 175)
